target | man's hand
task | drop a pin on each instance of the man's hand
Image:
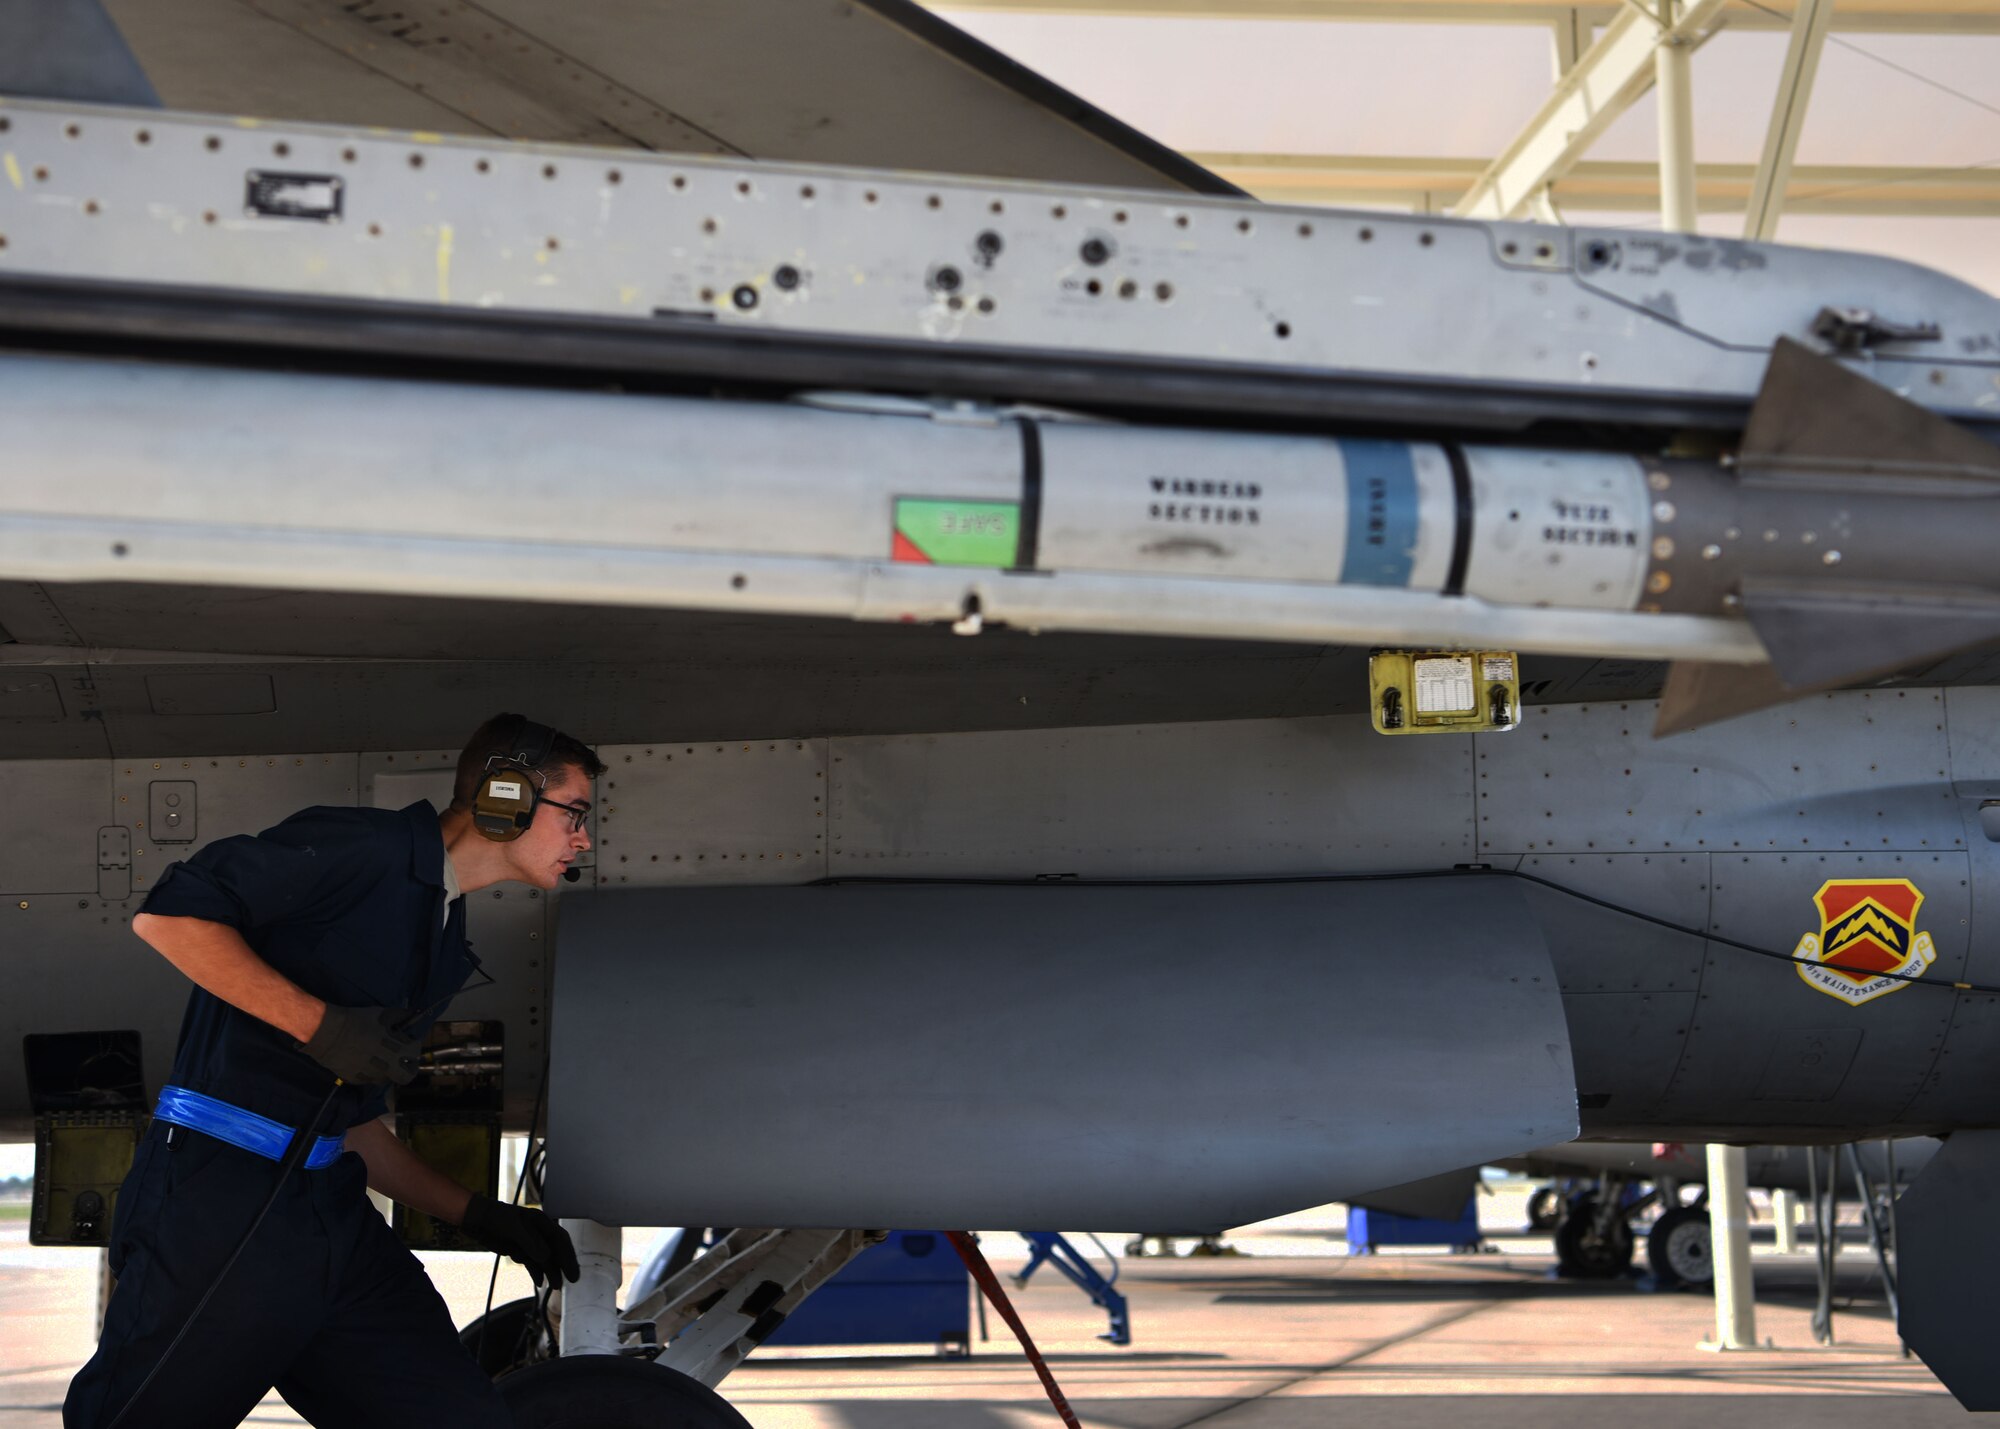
(524, 1234)
(364, 1045)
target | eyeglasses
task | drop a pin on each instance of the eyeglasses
(577, 812)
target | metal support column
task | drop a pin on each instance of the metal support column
(1729, 1235)
(1810, 22)
(1785, 1214)
(590, 1306)
(1826, 1238)
(1673, 73)
(1572, 36)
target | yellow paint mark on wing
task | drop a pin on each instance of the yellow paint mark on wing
(444, 262)
(13, 171)
(425, 136)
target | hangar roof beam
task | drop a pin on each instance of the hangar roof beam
(1603, 186)
(1788, 117)
(1602, 85)
(1891, 17)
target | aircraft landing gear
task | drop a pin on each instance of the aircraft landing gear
(509, 1337)
(1545, 1209)
(1594, 1243)
(608, 1392)
(578, 1361)
(1678, 1248)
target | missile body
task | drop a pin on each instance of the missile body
(181, 474)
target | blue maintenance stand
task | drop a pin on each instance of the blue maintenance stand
(1053, 1248)
(910, 1289)
(1368, 1231)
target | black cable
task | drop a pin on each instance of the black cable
(527, 1160)
(295, 1156)
(1477, 871)
(1918, 978)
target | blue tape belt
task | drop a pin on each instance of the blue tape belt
(238, 1127)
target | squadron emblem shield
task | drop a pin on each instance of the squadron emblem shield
(1867, 928)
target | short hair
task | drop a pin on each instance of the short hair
(500, 737)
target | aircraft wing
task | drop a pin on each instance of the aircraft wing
(877, 82)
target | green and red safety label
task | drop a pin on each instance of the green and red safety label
(957, 533)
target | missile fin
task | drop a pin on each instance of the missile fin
(1699, 693)
(1819, 415)
(1818, 641)
(1823, 642)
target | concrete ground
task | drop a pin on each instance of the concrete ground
(1291, 1333)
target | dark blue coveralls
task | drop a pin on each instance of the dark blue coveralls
(325, 1304)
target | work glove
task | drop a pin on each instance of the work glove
(524, 1234)
(363, 1045)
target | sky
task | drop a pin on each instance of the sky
(1436, 91)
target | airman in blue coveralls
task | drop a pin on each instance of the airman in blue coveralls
(324, 947)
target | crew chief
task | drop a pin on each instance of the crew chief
(324, 947)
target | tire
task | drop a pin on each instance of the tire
(607, 1392)
(1679, 1250)
(1545, 1209)
(1582, 1254)
(510, 1340)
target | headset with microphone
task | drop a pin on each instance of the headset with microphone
(511, 786)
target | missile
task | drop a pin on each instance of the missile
(1851, 534)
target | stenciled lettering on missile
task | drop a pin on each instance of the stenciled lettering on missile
(941, 532)
(1582, 523)
(1867, 941)
(1381, 513)
(1223, 502)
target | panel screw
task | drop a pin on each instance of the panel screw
(745, 297)
(1094, 251)
(786, 277)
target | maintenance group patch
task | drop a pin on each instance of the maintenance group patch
(1867, 941)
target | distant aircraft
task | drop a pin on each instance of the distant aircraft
(1677, 1241)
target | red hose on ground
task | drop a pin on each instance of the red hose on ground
(989, 1285)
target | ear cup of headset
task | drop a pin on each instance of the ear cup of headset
(505, 804)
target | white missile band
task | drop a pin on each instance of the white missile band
(153, 472)
(1558, 528)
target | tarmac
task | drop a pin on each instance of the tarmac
(1291, 1333)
